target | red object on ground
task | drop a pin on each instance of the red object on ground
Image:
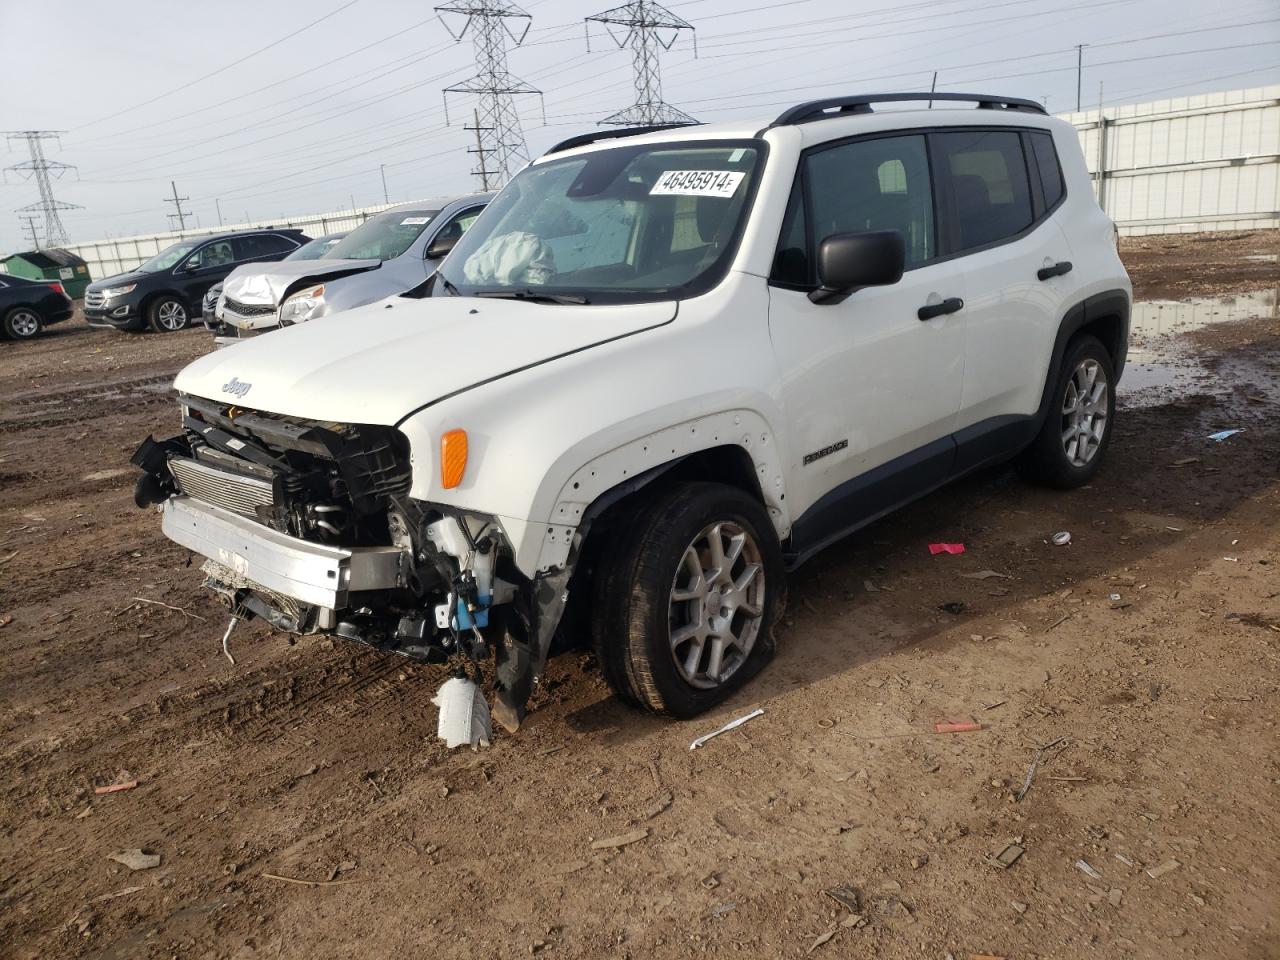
(956, 727)
(117, 787)
(937, 548)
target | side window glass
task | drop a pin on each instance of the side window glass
(988, 178)
(248, 247)
(457, 226)
(880, 184)
(270, 244)
(212, 255)
(1050, 171)
(791, 262)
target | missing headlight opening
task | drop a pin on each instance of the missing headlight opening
(309, 526)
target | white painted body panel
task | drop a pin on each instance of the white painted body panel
(589, 395)
(378, 363)
(870, 371)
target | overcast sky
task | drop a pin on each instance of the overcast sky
(220, 98)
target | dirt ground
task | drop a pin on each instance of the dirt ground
(1146, 651)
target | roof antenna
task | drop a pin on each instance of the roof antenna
(933, 87)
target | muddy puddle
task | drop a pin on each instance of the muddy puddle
(1161, 364)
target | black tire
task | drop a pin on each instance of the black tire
(23, 323)
(1047, 461)
(161, 314)
(633, 608)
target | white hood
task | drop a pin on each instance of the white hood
(265, 284)
(379, 363)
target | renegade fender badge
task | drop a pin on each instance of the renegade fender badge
(236, 387)
(817, 454)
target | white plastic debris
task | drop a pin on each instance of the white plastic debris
(726, 728)
(1062, 538)
(1224, 434)
(464, 714)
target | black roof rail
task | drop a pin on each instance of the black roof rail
(582, 139)
(861, 103)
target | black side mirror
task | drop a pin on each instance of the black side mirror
(847, 262)
(441, 245)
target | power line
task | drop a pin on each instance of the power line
(650, 29)
(44, 170)
(491, 25)
(222, 69)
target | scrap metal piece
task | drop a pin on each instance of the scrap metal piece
(726, 728)
(226, 650)
(1087, 870)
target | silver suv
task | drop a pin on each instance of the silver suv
(388, 254)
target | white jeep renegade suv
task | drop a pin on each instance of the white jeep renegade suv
(662, 368)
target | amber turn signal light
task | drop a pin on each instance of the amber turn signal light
(453, 458)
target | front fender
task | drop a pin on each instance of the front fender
(599, 416)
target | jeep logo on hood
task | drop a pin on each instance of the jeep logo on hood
(236, 387)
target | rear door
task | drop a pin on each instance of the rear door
(1002, 233)
(871, 389)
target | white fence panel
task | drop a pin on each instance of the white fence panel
(1206, 162)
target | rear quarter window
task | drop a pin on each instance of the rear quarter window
(1050, 169)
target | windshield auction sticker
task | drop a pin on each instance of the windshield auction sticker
(414, 221)
(698, 183)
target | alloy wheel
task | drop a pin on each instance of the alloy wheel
(24, 323)
(716, 605)
(171, 315)
(1084, 412)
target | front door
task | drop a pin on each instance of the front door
(205, 267)
(871, 389)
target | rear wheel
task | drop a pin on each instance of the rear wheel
(1077, 431)
(167, 315)
(687, 602)
(22, 323)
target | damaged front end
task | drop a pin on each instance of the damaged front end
(309, 526)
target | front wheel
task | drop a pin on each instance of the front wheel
(686, 611)
(22, 323)
(1077, 430)
(167, 315)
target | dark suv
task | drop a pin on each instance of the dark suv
(165, 292)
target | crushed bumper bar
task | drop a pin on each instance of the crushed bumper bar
(309, 572)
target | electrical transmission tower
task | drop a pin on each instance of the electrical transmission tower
(44, 171)
(649, 28)
(30, 229)
(180, 215)
(500, 144)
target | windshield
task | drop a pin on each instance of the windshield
(383, 237)
(632, 223)
(315, 249)
(167, 257)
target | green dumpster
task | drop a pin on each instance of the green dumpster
(52, 263)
